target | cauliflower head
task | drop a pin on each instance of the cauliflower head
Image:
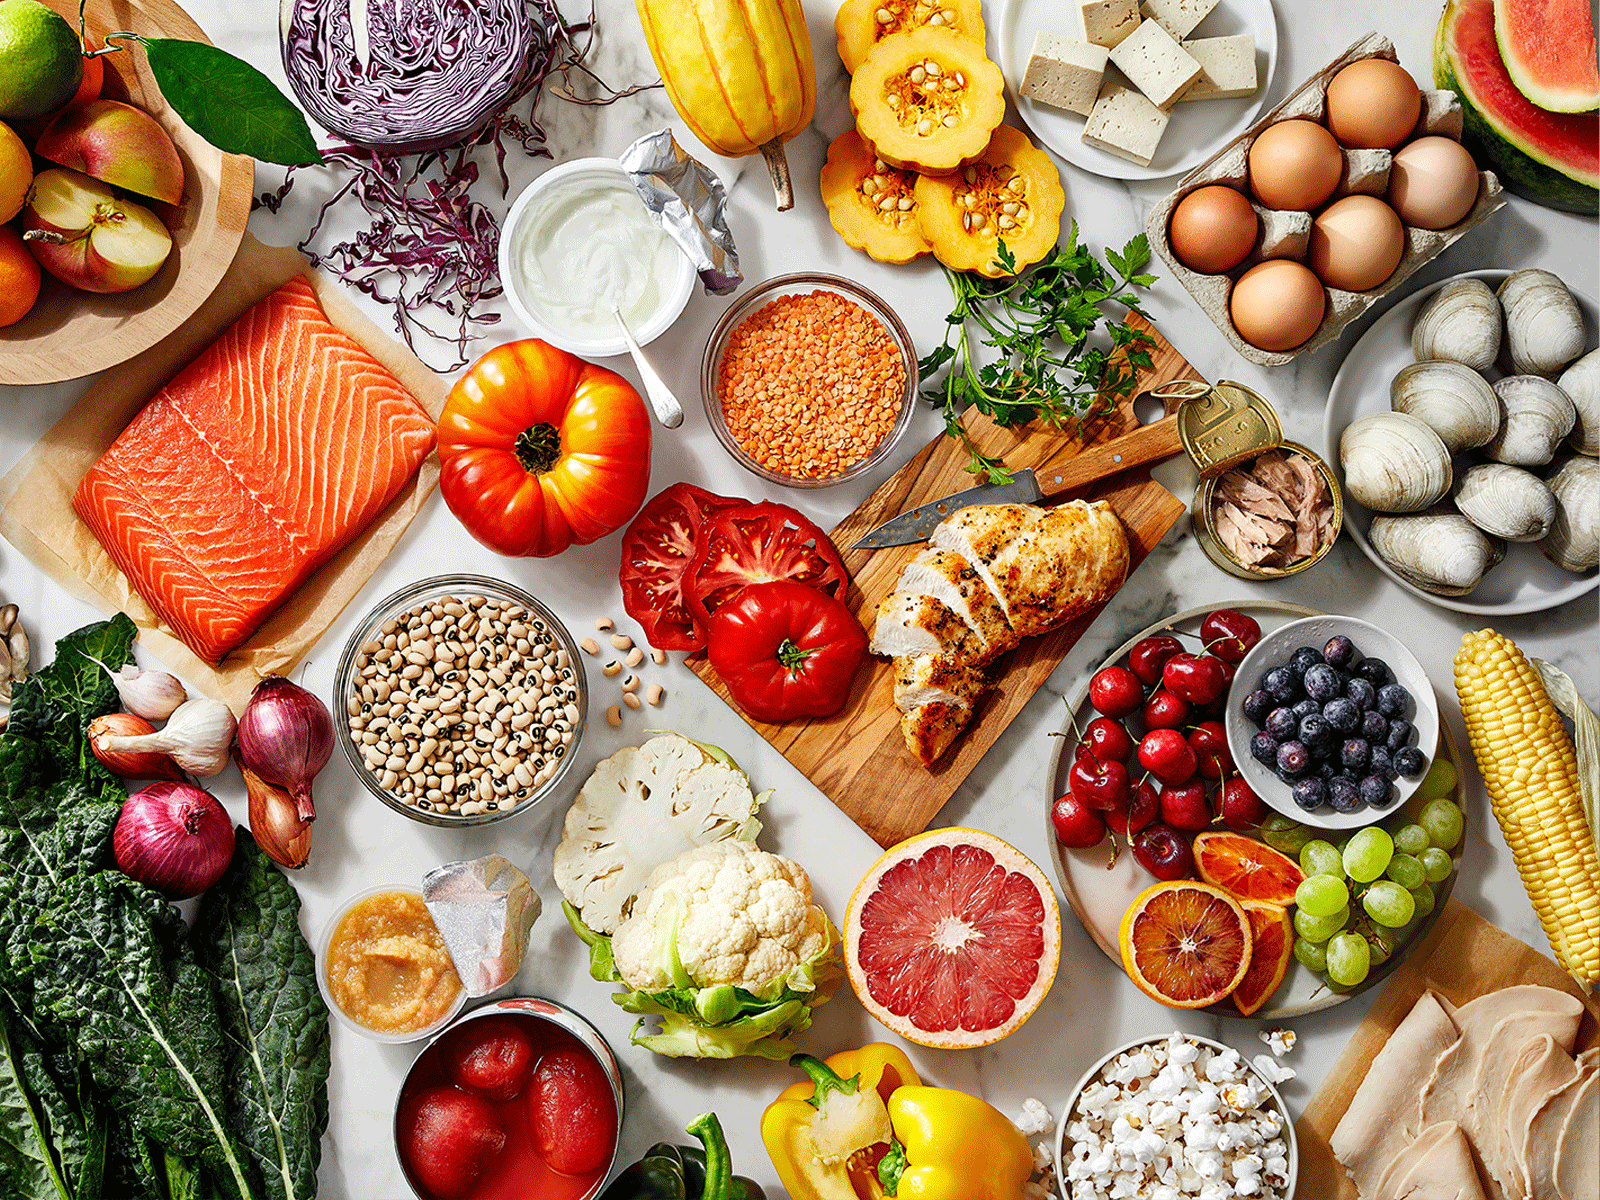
(727, 914)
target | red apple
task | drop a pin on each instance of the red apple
(85, 235)
(118, 144)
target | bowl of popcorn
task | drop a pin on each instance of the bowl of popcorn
(1175, 1116)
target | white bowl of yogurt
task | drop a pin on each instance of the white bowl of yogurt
(577, 241)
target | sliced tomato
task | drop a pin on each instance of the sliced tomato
(656, 551)
(759, 543)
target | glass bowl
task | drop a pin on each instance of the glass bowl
(801, 284)
(531, 752)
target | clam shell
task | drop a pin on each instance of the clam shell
(1449, 398)
(1581, 383)
(1440, 552)
(1544, 328)
(1535, 415)
(1394, 463)
(1573, 542)
(1505, 501)
(1461, 323)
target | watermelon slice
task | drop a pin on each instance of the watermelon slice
(1550, 158)
(1548, 49)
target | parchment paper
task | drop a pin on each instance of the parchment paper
(1463, 957)
(36, 495)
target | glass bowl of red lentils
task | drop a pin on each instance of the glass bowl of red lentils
(809, 380)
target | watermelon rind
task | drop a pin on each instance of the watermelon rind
(1549, 54)
(1531, 169)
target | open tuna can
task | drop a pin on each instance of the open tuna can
(1266, 508)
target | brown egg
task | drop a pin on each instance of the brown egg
(1294, 165)
(1373, 104)
(1277, 304)
(1213, 229)
(1433, 183)
(1356, 243)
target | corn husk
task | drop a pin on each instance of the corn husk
(1586, 735)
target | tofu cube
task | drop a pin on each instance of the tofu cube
(1155, 64)
(1227, 67)
(1124, 122)
(1103, 22)
(1063, 73)
(1177, 17)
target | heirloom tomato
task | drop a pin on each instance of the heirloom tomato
(656, 552)
(539, 450)
(785, 650)
(759, 543)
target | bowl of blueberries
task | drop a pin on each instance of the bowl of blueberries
(1333, 721)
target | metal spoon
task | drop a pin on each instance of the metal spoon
(668, 411)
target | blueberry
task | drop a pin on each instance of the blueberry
(1381, 762)
(1376, 791)
(1342, 714)
(1282, 685)
(1317, 734)
(1281, 724)
(1304, 659)
(1374, 670)
(1309, 793)
(1294, 760)
(1374, 726)
(1339, 651)
(1410, 761)
(1304, 708)
(1258, 704)
(1344, 794)
(1321, 682)
(1400, 734)
(1264, 749)
(1361, 693)
(1392, 699)
(1355, 754)
(1327, 769)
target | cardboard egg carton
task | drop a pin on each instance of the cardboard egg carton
(1287, 234)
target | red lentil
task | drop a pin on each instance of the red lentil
(811, 384)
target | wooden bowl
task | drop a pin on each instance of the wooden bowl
(70, 333)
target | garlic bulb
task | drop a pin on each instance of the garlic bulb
(1461, 323)
(1440, 552)
(1535, 415)
(1506, 501)
(1451, 399)
(1394, 463)
(1544, 329)
(1581, 383)
(153, 695)
(1573, 542)
(197, 737)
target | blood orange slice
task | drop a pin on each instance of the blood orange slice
(1185, 944)
(1271, 943)
(1245, 868)
(952, 938)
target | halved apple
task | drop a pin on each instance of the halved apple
(86, 235)
(118, 144)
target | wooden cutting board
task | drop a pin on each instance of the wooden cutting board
(857, 756)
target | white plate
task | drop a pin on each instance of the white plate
(1197, 130)
(1099, 897)
(1526, 581)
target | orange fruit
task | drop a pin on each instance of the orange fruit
(1271, 945)
(1246, 868)
(19, 277)
(952, 938)
(1184, 943)
(16, 173)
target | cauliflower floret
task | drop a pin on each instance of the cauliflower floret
(743, 917)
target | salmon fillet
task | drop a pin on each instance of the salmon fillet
(262, 459)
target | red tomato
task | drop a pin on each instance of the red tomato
(759, 543)
(785, 650)
(540, 450)
(574, 1115)
(656, 552)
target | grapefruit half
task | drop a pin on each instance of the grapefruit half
(1245, 868)
(952, 938)
(1185, 944)
(1271, 945)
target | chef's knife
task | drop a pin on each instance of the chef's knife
(1147, 444)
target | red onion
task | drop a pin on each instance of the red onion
(286, 737)
(173, 837)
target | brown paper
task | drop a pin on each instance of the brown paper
(1463, 957)
(36, 513)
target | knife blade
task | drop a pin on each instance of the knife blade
(915, 525)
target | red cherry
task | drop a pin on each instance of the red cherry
(1077, 826)
(1115, 691)
(1242, 809)
(1150, 654)
(1229, 634)
(1197, 679)
(1164, 852)
(1099, 783)
(1209, 741)
(1144, 805)
(1183, 805)
(1165, 711)
(1105, 739)
(1167, 756)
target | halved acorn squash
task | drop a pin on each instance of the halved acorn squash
(1013, 192)
(871, 204)
(861, 24)
(927, 100)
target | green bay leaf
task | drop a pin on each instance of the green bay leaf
(229, 103)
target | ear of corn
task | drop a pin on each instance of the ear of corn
(1530, 770)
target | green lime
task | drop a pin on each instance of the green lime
(41, 60)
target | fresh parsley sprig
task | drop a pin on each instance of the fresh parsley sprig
(1040, 324)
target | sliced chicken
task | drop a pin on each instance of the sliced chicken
(930, 728)
(1577, 1166)
(1541, 1069)
(1544, 1132)
(934, 679)
(986, 534)
(911, 624)
(1077, 557)
(1437, 1166)
(952, 581)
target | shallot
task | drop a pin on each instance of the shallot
(278, 829)
(173, 837)
(197, 736)
(129, 764)
(286, 737)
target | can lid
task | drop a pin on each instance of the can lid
(1227, 425)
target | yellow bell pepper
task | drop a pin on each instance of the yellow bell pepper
(936, 1143)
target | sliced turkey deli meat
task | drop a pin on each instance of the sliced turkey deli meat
(1540, 1070)
(1437, 1166)
(1544, 1132)
(1004, 572)
(1577, 1168)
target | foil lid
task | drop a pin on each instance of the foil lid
(485, 909)
(686, 198)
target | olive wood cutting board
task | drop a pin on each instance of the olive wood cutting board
(857, 756)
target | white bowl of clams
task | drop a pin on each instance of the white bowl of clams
(1463, 427)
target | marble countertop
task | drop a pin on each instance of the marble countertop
(1092, 1006)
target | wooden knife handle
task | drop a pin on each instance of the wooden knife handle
(1146, 444)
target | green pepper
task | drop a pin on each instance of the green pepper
(668, 1172)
